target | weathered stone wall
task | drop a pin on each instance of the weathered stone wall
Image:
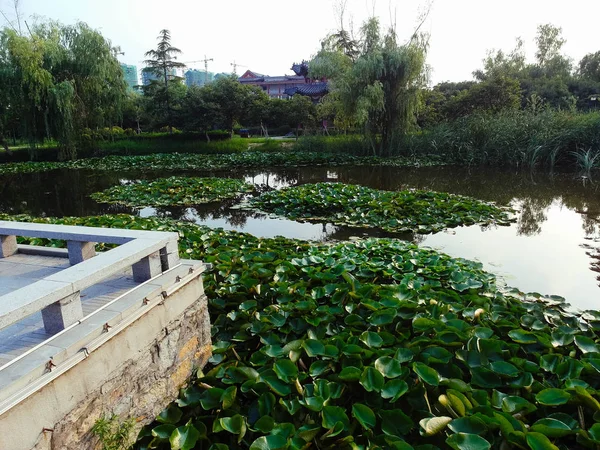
(134, 374)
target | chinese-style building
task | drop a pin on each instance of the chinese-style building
(287, 86)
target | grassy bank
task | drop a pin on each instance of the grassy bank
(144, 145)
(197, 161)
(546, 140)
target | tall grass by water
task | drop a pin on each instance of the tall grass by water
(549, 139)
(145, 145)
(543, 140)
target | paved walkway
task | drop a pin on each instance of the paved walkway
(20, 270)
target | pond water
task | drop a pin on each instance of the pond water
(553, 248)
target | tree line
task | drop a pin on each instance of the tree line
(507, 81)
(64, 83)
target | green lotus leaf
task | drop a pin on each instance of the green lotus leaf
(468, 425)
(171, 414)
(394, 389)
(364, 415)
(286, 370)
(388, 366)
(331, 415)
(465, 441)
(427, 374)
(537, 441)
(184, 438)
(552, 428)
(553, 397)
(271, 442)
(586, 344)
(372, 380)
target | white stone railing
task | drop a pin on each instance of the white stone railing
(148, 253)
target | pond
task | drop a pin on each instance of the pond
(552, 248)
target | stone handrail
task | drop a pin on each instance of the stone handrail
(148, 253)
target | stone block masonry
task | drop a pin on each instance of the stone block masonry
(135, 373)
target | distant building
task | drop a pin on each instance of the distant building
(195, 77)
(287, 86)
(130, 74)
(148, 76)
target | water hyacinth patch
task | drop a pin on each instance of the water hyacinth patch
(359, 206)
(190, 161)
(173, 191)
(374, 344)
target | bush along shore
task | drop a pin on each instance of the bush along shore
(173, 191)
(373, 344)
(191, 161)
(359, 206)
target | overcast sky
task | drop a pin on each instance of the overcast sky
(267, 36)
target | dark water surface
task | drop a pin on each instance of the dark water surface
(552, 248)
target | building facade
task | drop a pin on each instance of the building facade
(130, 74)
(194, 77)
(287, 86)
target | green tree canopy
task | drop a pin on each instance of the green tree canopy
(379, 88)
(161, 62)
(58, 81)
(589, 67)
(236, 101)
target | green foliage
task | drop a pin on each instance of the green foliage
(549, 42)
(173, 191)
(358, 206)
(58, 81)
(375, 81)
(112, 433)
(477, 366)
(508, 81)
(236, 102)
(350, 144)
(161, 62)
(589, 67)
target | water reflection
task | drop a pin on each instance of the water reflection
(550, 248)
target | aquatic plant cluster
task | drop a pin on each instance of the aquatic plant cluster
(173, 191)
(190, 161)
(373, 344)
(359, 206)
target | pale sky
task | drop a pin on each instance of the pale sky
(267, 36)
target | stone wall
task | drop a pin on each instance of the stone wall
(135, 374)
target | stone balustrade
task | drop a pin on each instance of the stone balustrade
(149, 254)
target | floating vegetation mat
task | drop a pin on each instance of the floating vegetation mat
(190, 161)
(374, 344)
(358, 206)
(173, 191)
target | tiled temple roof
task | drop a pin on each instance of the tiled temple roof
(311, 89)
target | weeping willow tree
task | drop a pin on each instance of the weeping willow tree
(375, 81)
(59, 81)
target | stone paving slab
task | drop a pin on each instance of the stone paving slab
(23, 270)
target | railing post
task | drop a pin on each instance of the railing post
(80, 251)
(148, 267)
(8, 246)
(62, 314)
(169, 255)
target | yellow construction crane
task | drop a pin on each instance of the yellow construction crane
(235, 66)
(205, 61)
